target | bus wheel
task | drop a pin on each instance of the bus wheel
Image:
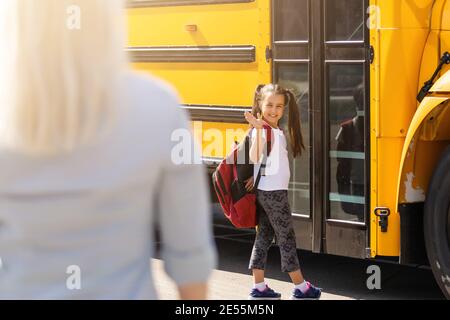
(437, 223)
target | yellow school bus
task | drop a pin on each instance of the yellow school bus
(375, 180)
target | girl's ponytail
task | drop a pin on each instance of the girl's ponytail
(294, 126)
(256, 101)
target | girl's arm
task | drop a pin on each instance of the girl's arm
(258, 141)
(257, 147)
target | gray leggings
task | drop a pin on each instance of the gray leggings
(274, 219)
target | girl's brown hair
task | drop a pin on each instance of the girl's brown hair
(294, 127)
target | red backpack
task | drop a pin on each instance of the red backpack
(239, 205)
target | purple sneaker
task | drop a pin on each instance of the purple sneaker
(313, 293)
(267, 294)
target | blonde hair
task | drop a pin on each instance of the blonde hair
(60, 65)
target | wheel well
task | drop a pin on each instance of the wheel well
(431, 139)
(424, 150)
(412, 239)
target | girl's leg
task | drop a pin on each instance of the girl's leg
(276, 205)
(297, 277)
(263, 241)
(258, 276)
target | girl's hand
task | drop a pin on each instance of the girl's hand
(256, 123)
(249, 184)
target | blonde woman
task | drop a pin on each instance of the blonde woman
(85, 162)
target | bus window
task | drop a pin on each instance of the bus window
(350, 28)
(347, 132)
(296, 77)
(291, 70)
(294, 24)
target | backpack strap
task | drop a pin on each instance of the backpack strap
(269, 150)
(258, 179)
(269, 139)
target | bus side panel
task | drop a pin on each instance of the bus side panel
(398, 40)
(224, 83)
(226, 24)
(392, 118)
(399, 79)
(218, 138)
(209, 84)
(388, 169)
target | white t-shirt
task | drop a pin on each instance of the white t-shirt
(278, 174)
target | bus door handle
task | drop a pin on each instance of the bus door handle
(383, 213)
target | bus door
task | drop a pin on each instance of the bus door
(319, 49)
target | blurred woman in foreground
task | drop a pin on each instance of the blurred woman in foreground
(85, 162)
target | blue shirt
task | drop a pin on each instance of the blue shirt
(96, 207)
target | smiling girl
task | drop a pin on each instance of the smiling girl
(273, 210)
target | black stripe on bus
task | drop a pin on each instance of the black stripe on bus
(216, 113)
(193, 54)
(173, 3)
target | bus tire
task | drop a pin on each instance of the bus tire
(437, 223)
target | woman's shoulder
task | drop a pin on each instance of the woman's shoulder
(149, 114)
(144, 85)
(152, 99)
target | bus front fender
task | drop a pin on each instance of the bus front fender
(427, 137)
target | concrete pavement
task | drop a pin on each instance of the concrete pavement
(341, 278)
(225, 285)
